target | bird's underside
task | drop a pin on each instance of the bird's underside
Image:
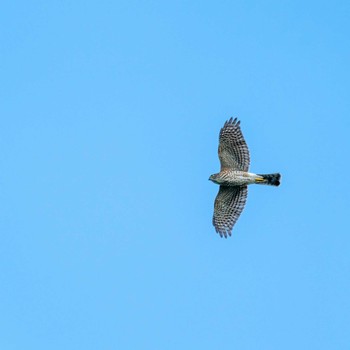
(234, 178)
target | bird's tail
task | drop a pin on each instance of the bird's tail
(269, 179)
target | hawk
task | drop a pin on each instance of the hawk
(234, 178)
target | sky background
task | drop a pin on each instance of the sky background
(109, 119)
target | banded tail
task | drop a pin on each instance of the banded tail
(270, 179)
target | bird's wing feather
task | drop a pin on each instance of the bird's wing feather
(233, 150)
(228, 206)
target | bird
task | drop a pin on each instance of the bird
(234, 178)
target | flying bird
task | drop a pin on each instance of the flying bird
(234, 178)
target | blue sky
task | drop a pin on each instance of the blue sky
(110, 115)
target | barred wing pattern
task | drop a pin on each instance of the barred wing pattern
(233, 150)
(228, 206)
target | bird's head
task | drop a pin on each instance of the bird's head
(214, 178)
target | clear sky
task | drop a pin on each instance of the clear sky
(110, 114)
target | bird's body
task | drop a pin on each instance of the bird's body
(228, 177)
(234, 177)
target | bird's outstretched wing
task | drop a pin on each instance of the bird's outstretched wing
(233, 150)
(228, 206)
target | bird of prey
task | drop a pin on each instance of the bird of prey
(234, 178)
